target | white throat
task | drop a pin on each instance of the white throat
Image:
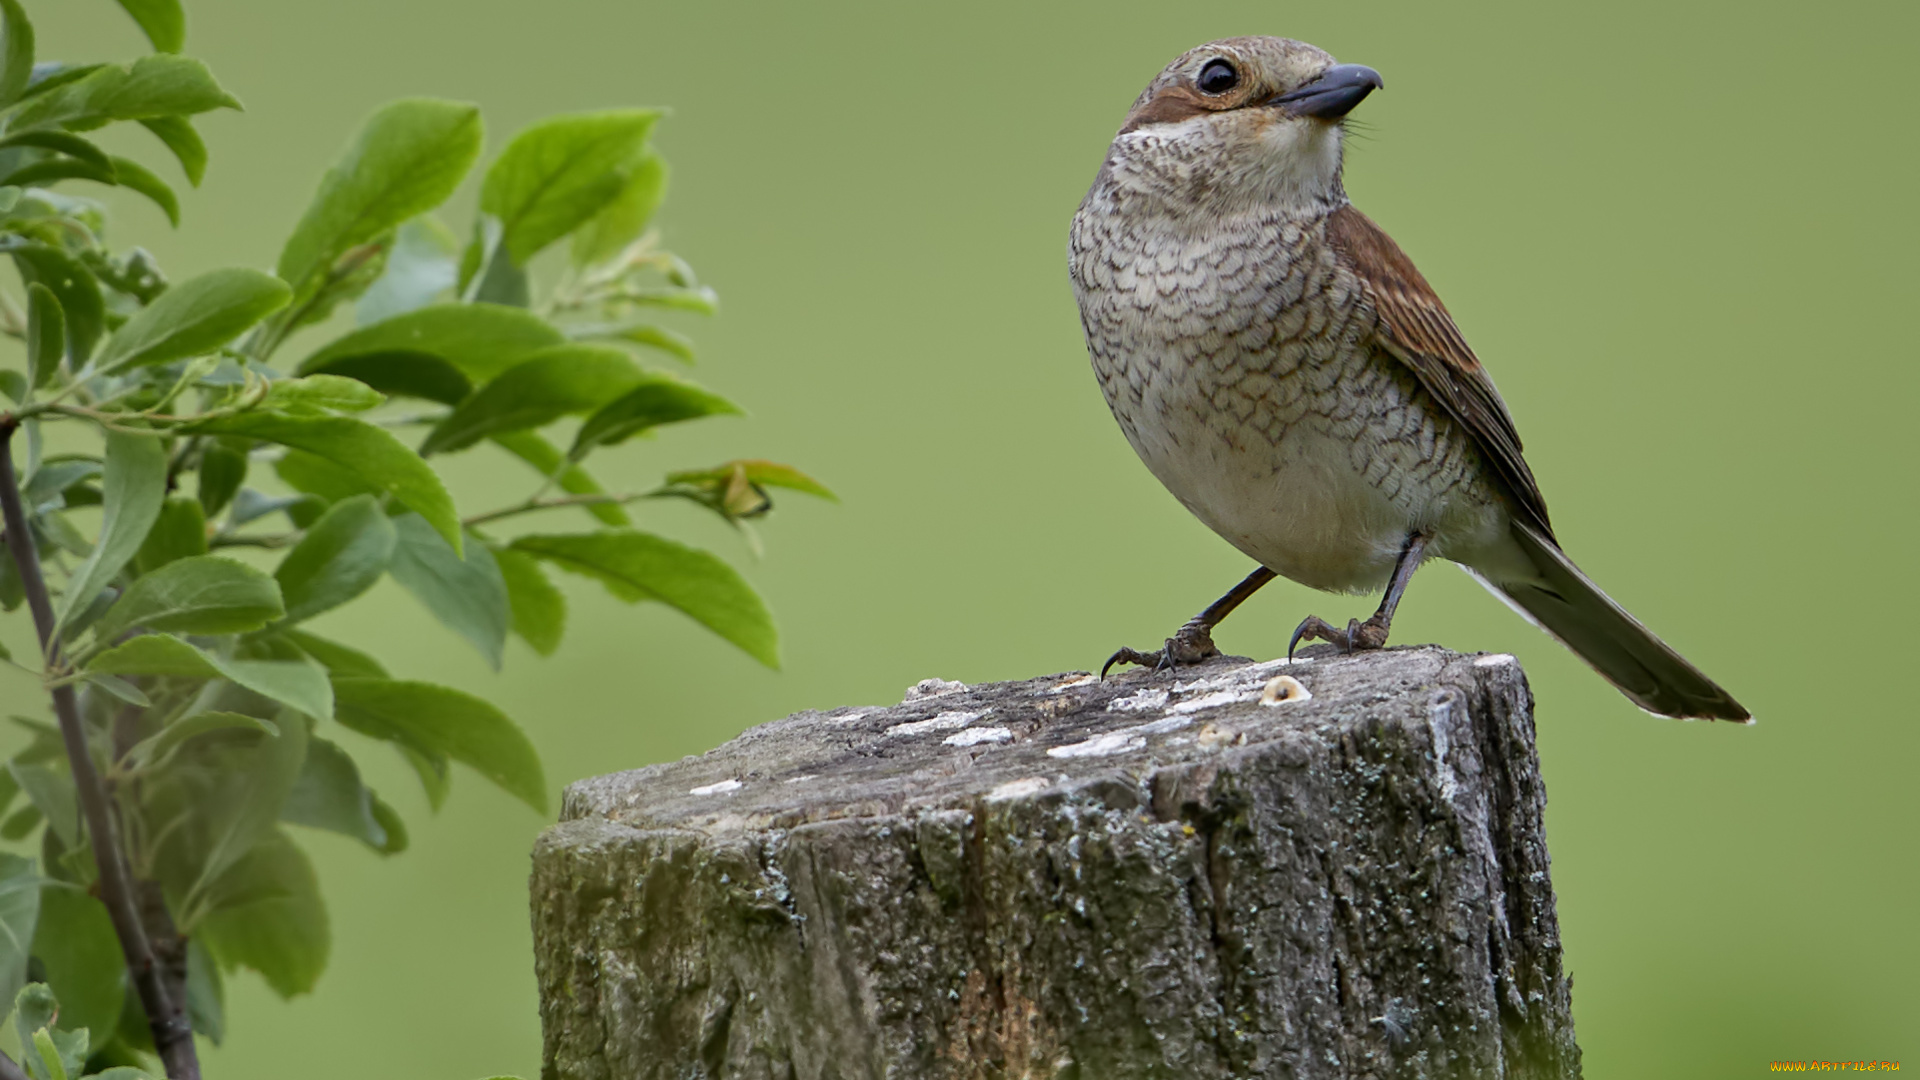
(1193, 168)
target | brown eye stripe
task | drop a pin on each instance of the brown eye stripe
(1169, 106)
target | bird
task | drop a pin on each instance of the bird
(1281, 366)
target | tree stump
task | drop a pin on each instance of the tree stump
(1215, 872)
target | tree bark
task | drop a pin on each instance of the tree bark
(1158, 875)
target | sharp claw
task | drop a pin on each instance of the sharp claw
(1117, 658)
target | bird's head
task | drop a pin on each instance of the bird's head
(1241, 123)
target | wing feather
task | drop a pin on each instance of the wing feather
(1416, 329)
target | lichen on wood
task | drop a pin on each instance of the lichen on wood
(1195, 874)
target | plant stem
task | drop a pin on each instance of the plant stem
(556, 503)
(172, 1033)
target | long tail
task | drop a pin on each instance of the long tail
(1566, 604)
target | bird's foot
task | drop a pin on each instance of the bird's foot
(1190, 644)
(1358, 635)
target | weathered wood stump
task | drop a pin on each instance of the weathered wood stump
(1159, 875)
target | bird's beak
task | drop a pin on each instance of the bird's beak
(1333, 95)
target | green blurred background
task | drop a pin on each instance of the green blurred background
(1679, 236)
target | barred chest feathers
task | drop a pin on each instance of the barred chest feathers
(1238, 356)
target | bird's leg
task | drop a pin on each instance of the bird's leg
(1371, 634)
(1193, 642)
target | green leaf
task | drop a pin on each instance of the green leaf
(74, 286)
(433, 769)
(439, 720)
(157, 746)
(546, 458)
(420, 269)
(223, 468)
(390, 823)
(56, 1050)
(9, 788)
(369, 453)
(48, 171)
(50, 75)
(539, 609)
(46, 334)
(19, 914)
(178, 135)
(319, 477)
(404, 374)
(405, 160)
(660, 399)
(120, 688)
(193, 317)
(65, 142)
(240, 811)
(56, 478)
(342, 555)
(329, 795)
(134, 176)
(300, 684)
(722, 478)
(206, 996)
(21, 823)
(75, 944)
(556, 175)
(34, 1007)
(467, 594)
(251, 505)
(164, 86)
(159, 85)
(315, 392)
(161, 20)
(281, 929)
(52, 794)
(14, 385)
(133, 487)
(639, 566)
(16, 56)
(554, 382)
(621, 221)
(667, 341)
(487, 272)
(179, 533)
(338, 659)
(480, 340)
(202, 594)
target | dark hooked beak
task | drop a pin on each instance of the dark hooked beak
(1333, 95)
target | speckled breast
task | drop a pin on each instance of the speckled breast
(1238, 357)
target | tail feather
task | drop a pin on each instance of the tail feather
(1569, 606)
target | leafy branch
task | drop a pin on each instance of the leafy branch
(197, 720)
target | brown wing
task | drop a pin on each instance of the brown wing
(1416, 328)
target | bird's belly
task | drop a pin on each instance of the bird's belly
(1297, 506)
(1320, 474)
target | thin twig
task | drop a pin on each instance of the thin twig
(558, 502)
(172, 1033)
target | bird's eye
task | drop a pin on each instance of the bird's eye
(1218, 77)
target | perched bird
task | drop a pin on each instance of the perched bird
(1281, 366)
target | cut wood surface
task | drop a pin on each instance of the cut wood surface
(1204, 873)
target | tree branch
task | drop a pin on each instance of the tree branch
(172, 1033)
(558, 502)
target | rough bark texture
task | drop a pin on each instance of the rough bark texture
(1152, 876)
